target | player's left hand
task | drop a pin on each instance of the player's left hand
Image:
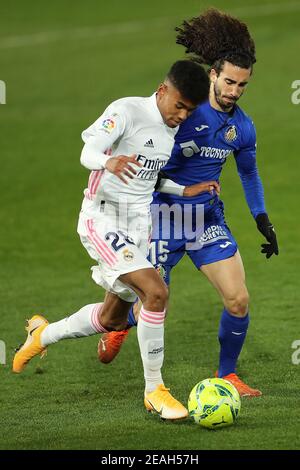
(266, 228)
(212, 187)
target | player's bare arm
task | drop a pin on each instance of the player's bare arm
(167, 185)
(212, 187)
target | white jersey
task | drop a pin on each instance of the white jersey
(128, 126)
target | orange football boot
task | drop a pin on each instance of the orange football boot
(32, 346)
(243, 389)
(110, 344)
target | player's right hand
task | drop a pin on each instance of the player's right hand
(121, 166)
(212, 187)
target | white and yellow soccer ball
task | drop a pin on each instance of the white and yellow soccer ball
(214, 403)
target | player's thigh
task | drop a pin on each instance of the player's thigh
(115, 252)
(228, 277)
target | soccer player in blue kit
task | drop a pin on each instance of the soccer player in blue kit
(203, 143)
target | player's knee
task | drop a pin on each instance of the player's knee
(238, 305)
(157, 297)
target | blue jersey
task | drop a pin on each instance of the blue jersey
(203, 144)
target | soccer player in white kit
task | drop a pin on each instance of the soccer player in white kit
(125, 149)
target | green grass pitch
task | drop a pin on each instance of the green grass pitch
(62, 63)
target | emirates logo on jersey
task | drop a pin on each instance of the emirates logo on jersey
(151, 167)
(230, 134)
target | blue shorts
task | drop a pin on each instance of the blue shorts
(216, 241)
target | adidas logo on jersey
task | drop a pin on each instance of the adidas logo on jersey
(149, 144)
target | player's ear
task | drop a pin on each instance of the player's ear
(213, 75)
(161, 90)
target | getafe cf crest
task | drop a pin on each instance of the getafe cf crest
(231, 134)
(161, 271)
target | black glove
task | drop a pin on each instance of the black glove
(266, 228)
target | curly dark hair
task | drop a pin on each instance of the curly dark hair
(215, 37)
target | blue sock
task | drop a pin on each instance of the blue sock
(131, 321)
(232, 334)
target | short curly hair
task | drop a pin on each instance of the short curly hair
(215, 37)
(190, 79)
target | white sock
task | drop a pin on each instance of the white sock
(82, 323)
(150, 331)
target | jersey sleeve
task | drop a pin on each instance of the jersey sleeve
(168, 186)
(101, 136)
(248, 172)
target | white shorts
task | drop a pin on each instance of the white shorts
(119, 246)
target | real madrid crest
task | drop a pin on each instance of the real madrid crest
(128, 255)
(230, 134)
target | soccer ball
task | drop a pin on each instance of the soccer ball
(214, 403)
